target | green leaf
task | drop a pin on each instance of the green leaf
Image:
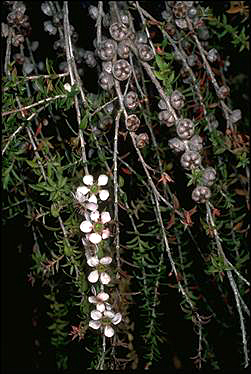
(84, 121)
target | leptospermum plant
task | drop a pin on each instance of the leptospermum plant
(95, 230)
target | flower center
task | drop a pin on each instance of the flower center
(98, 227)
(94, 189)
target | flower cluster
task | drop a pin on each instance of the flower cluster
(95, 231)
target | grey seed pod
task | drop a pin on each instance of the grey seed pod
(177, 100)
(131, 100)
(208, 176)
(203, 33)
(212, 55)
(132, 122)
(93, 12)
(195, 143)
(190, 160)
(192, 12)
(17, 40)
(181, 23)
(107, 66)
(162, 105)
(185, 128)
(167, 118)
(167, 14)
(223, 92)
(109, 108)
(123, 49)
(145, 52)
(107, 49)
(170, 28)
(235, 115)
(46, 9)
(118, 31)
(142, 140)
(106, 81)
(90, 59)
(176, 145)
(105, 123)
(124, 18)
(201, 194)
(180, 9)
(121, 70)
(141, 37)
(191, 60)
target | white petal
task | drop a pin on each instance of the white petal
(106, 260)
(86, 226)
(105, 233)
(105, 217)
(109, 314)
(108, 306)
(93, 276)
(88, 179)
(91, 206)
(108, 331)
(92, 299)
(96, 314)
(83, 190)
(94, 238)
(94, 216)
(102, 180)
(100, 307)
(93, 261)
(103, 194)
(117, 318)
(105, 278)
(93, 199)
(80, 197)
(95, 324)
(103, 296)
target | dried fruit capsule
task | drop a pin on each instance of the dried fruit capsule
(142, 140)
(208, 176)
(185, 128)
(106, 81)
(107, 66)
(123, 49)
(90, 59)
(107, 50)
(46, 9)
(167, 118)
(180, 9)
(195, 143)
(176, 145)
(212, 55)
(141, 37)
(132, 122)
(177, 100)
(201, 194)
(131, 100)
(118, 31)
(145, 52)
(105, 123)
(162, 104)
(121, 70)
(190, 160)
(235, 115)
(93, 12)
(223, 92)
(181, 23)
(170, 29)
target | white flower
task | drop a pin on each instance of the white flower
(99, 232)
(67, 87)
(99, 300)
(93, 189)
(105, 321)
(99, 271)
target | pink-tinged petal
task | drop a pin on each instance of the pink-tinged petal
(100, 307)
(105, 278)
(108, 331)
(93, 261)
(105, 233)
(92, 299)
(94, 238)
(103, 296)
(91, 206)
(105, 217)
(94, 216)
(95, 324)
(96, 314)
(104, 194)
(93, 199)
(86, 226)
(93, 276)
(108, 306)
(117, 318)
(109, 314)
(88, 179)
(106, 260)
(102, 180)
